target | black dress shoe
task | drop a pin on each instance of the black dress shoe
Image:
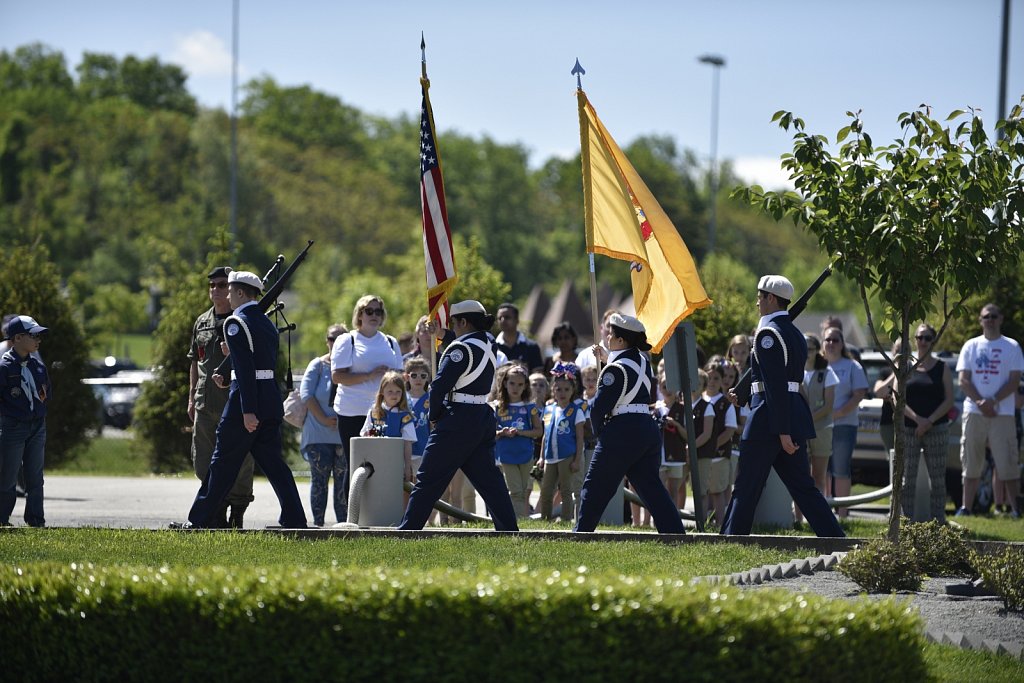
(180, 525)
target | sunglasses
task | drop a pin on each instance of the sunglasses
(374, 311)
(991, 316)
(218, 285)
(418, 375)
(925, 338)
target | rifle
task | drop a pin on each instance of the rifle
(268, 304)
(742, 388)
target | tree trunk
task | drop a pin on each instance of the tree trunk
(903, 366)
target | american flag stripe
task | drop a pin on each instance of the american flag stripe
(437, 240)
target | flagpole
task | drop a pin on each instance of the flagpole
(432, 346)
(578, 71)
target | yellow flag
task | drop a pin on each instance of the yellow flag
(625, 221)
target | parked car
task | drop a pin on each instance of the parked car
(870, 461)
(117, 395)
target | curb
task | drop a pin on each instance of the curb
(795, 568)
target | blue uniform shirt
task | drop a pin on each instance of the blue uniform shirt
(460, 358)
(15, 402)
(777, 361)
(516, 450)
(396, 423)
(253, 341)
(618, 379)
(419, 407)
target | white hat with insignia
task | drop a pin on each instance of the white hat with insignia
(468, 306)
(777, 285)
(631, 324)
(246, 278)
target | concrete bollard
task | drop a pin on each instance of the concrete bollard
(775, 508)
(381, 501)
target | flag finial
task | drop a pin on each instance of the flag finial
(423, 55)
(578, 71)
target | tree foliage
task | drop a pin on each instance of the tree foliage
(30, 287)
(923, 222)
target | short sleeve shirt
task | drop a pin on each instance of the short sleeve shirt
(990, 362)
(851, 378)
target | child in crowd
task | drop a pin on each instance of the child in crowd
(714, 466)
(671, 413)
(730, 376)
(519, 424)
(563, 442)
(389, 416)
(417, 382)
(588, 378)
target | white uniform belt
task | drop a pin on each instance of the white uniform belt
(459, 397)
(260, 374)
(758, 387)
(631, 408)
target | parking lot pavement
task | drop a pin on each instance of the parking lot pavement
(140, 502)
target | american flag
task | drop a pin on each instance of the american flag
(437, 234)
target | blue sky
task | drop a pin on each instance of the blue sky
(502, 69)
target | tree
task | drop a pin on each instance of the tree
(930, 218)
(160, 419)
(734, 310)
(146, 82)
(30, 286)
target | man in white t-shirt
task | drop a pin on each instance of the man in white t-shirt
(598, 352)
(990, 368)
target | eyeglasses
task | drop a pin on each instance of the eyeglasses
(374, 311)
(832, 340)
(219, 285)
(925, 338)
(991, 316)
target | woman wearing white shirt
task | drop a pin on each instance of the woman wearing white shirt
(359, 360)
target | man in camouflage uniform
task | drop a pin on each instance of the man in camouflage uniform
(206, 400)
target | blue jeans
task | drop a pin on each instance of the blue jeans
(22, 443)
(844, 439)
(324, 460)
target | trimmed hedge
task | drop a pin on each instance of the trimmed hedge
(83, 622)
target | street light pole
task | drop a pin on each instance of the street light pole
(716, 62)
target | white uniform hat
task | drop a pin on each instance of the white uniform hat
(628, 322)
(777, 285)
(246, 278)
(468, 306)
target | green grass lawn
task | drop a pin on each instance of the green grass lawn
(137, 347)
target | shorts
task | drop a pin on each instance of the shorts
(1001, 435)
(844, 438)
(714, 474)
(820, 446)
(673, 470)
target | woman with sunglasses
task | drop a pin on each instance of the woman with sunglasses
(853, 384)
(926, 425)
(359, 360)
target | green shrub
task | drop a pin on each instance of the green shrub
(1004, 573)
(124, 623)
(882, 567)
(940, 550)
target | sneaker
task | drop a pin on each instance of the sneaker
(962, 512)
(180, 525)
(1015, 515)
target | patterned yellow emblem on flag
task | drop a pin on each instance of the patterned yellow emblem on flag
(625, 221)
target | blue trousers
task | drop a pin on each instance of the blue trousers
(757, 458)
(22, 443)
(233, 442)
(462, 440)
(628, 446)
